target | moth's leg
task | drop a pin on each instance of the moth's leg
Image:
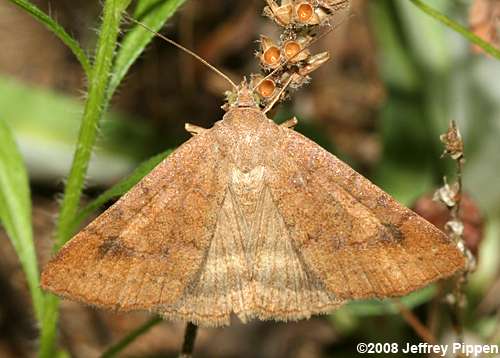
(194, 129)
(292, 122)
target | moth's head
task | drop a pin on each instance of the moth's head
(243, 96)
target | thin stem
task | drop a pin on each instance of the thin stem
(486, 46)
(189, 339)
(132, 336)
(458, 289)
(454, 148)
(423, 332)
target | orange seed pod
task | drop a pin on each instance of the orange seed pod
(271, 54)
(267, 88)
(294, 51)
(304, 12)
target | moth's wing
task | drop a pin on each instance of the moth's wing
(144, 250)
(357, 239)
(284, 288)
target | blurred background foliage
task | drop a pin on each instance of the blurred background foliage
(396, 79)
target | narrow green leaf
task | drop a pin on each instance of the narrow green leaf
(33, 113)
(114, 350)
(59, 31)
(95, 106)
(121, 188)
(94, 109)
(15, 212)
(48, 331)
(154, 14)
(486, 46)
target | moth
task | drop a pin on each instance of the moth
(250, 218)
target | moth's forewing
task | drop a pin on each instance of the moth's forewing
(254, 219)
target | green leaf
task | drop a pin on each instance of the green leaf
(154, 14)
(58, 30)
(121, 188)
(94, 109)
(486, 46)
(45, 124)
(15, 212)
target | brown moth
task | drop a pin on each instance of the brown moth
(252, 218)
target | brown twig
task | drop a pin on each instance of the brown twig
(451, 195)
(420, 329)
(189, 340)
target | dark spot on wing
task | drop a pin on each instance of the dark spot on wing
(112, 246)
(145, 190)
(392, 233)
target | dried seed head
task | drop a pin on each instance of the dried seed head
(266, 88)
(294, 49)
(282, 15)
(307, 14)
(304, 12)
(335, 5)
(452, 139)
(295, 79)
(271, 54)
(293, 52)
(314, 62)
(447, 194)
(321, 15)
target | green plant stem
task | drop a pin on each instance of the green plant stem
(94, 108)
(48, 331)
(132, 336)
(486, 46)
(59, 31)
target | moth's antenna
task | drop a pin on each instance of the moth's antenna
(316, 39)
(179, 46)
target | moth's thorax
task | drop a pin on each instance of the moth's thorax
(247, 137)
(244, 117)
